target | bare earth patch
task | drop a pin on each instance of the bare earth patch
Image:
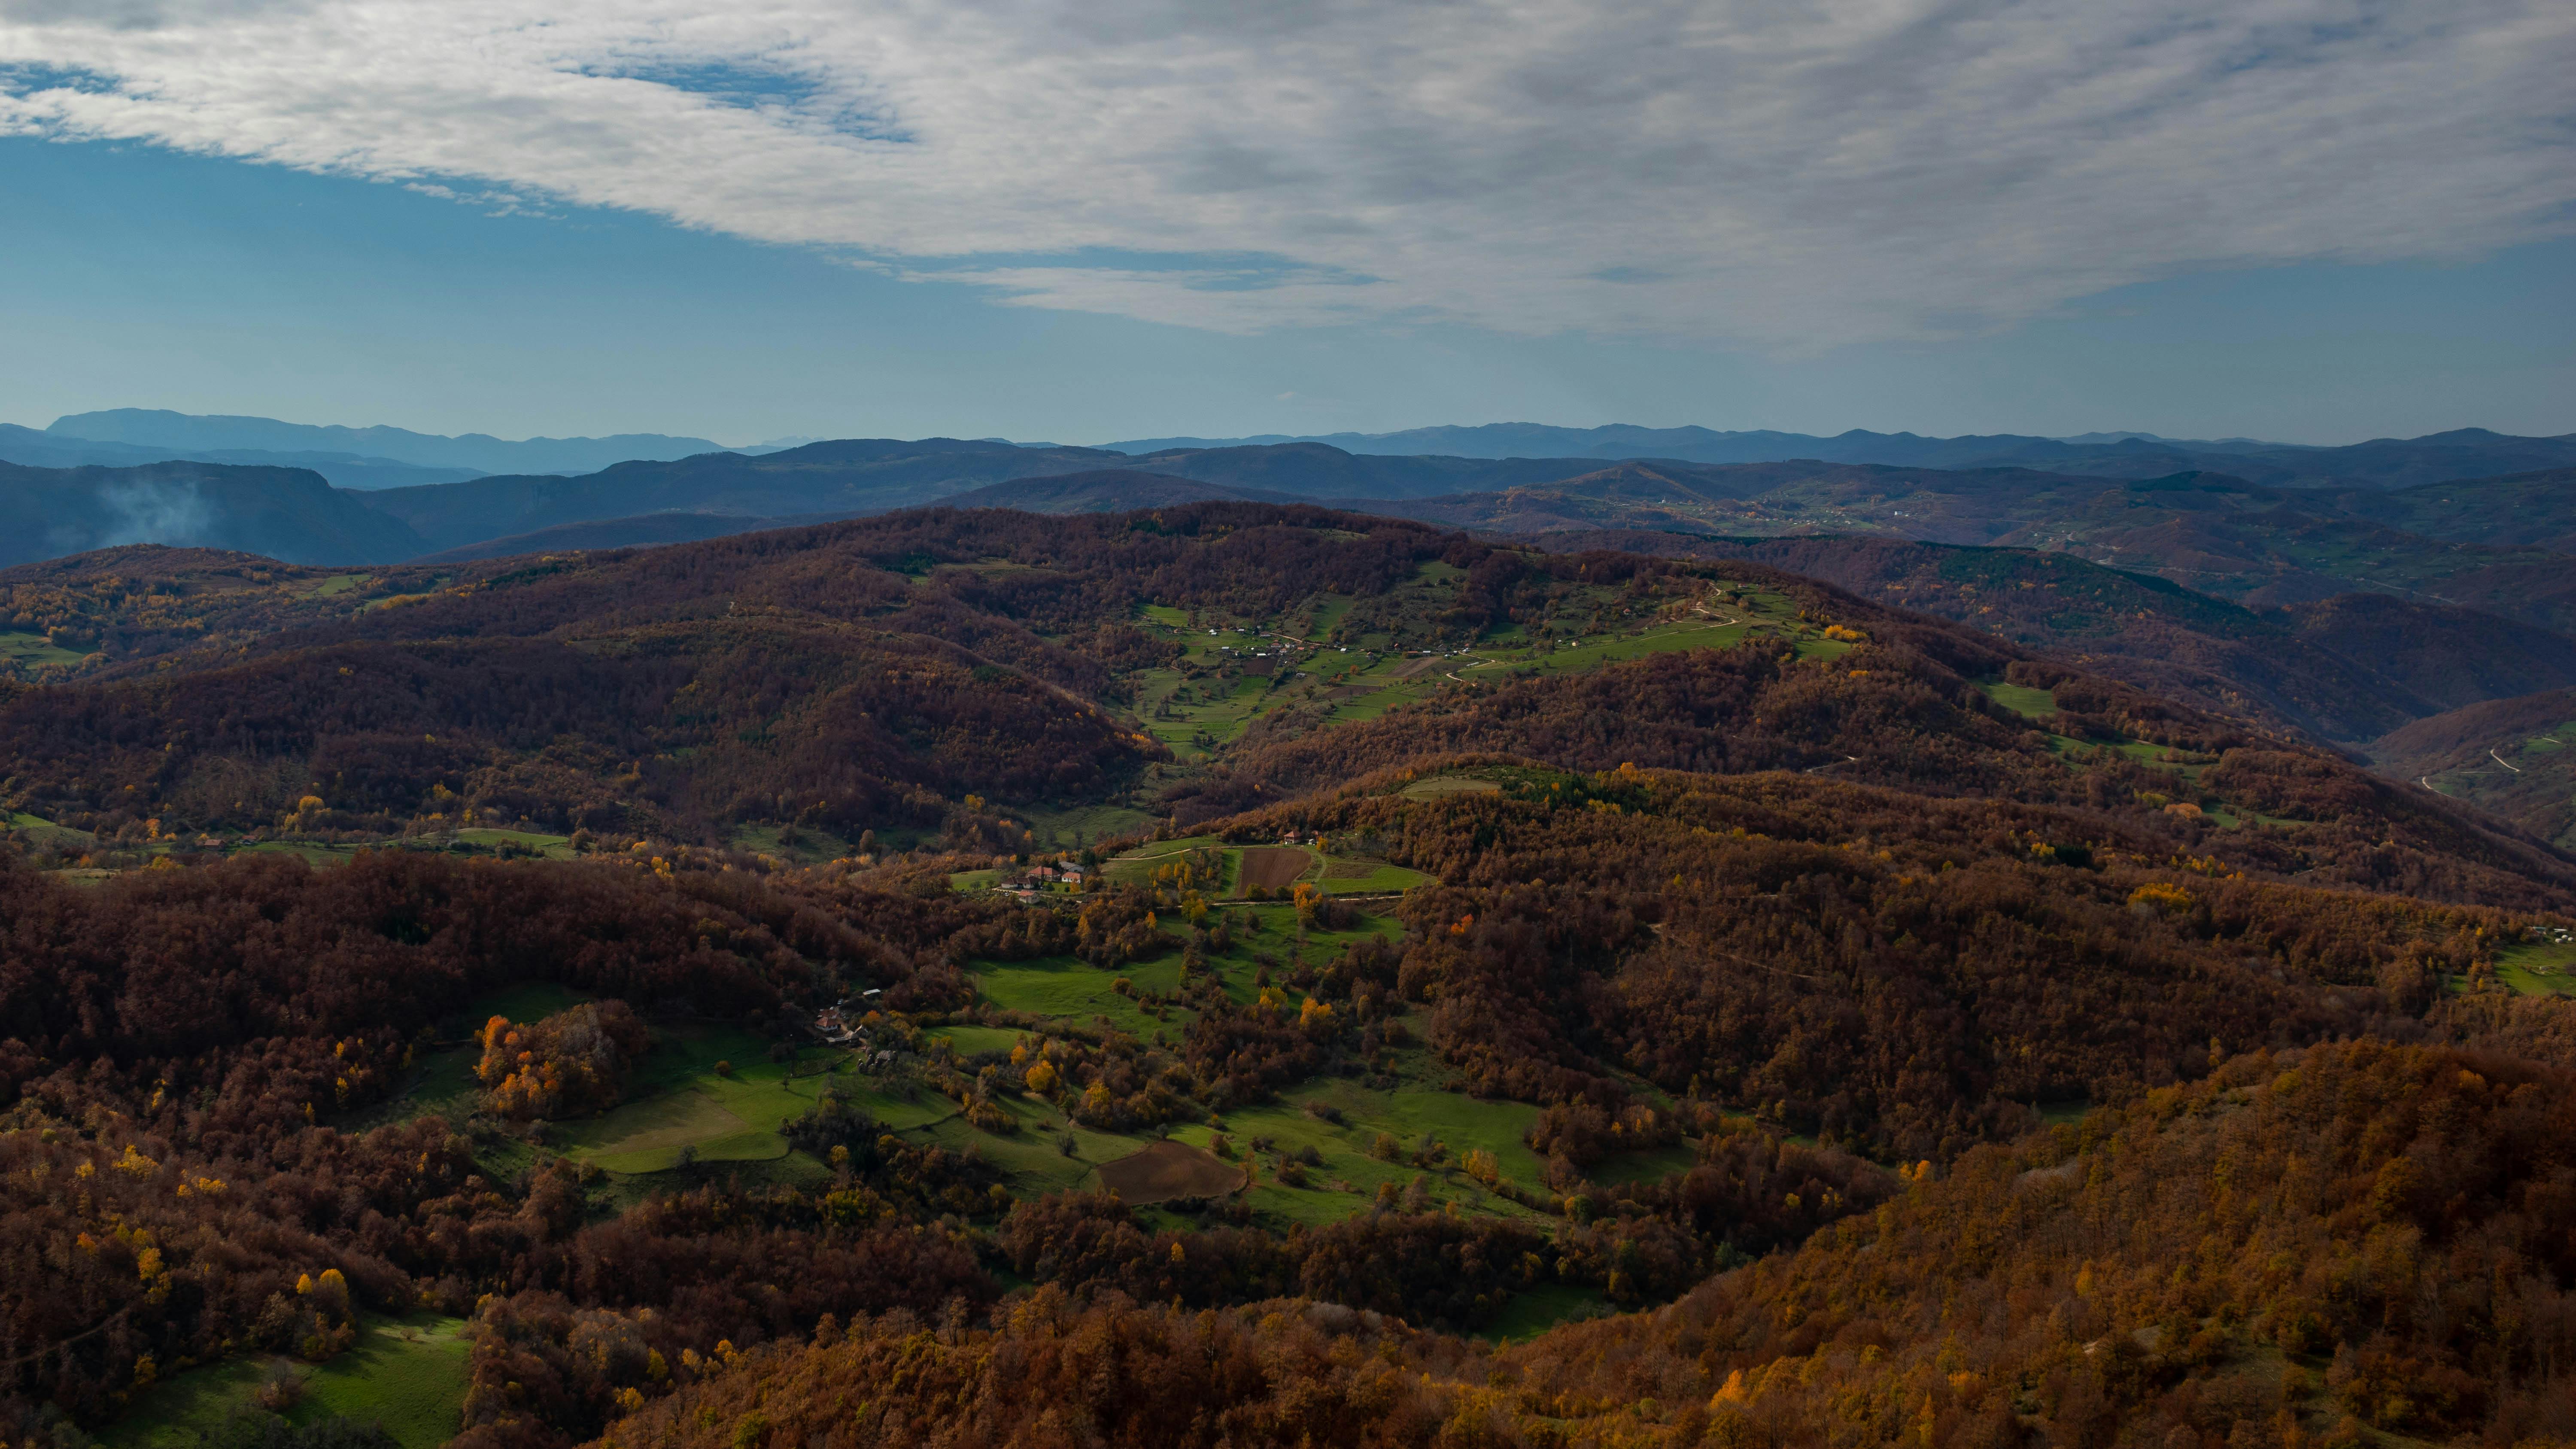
(1168, 1170)
(1274, 867)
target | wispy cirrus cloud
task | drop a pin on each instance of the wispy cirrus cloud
(1784, 174)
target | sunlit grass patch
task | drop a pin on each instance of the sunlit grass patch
(2022, 699)
(2538, 968)
(407, 1374)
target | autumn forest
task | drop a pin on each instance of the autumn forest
(1237, 974)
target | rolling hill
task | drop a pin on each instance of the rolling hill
(285, 513)
(861, 476)
(2513, 757)
(1853, 1018)
(2346, 669)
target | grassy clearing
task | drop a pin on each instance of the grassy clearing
(408, 1375)
(711, 1088)
(1137, 867)
(1234, 671)
(335, 585)
(2539, 968)
(1076, 991)
(2022, 699)
(442, 1081)
(1534, 1311)
(801, 844)
(1078, 826)
(966, 1041)
(46, 835)
(1357, 876)
(1348, 1179)
(1440, 786)
(34, 651)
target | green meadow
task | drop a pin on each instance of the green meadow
(2539, 968)
(406, 1374)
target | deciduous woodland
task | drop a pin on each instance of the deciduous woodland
(1847, 1029)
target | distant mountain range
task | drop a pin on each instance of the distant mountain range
(2495, 542)
(477, 452)
(2381, 463)
(361, 458)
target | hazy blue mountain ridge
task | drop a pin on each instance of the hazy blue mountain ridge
(2381, 463)
(192, 434)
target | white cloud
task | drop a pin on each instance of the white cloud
(1785, 173)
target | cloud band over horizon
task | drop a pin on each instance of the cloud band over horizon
(1777, 176)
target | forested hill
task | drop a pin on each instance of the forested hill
(1171, 665)
(2513, 757)
(811, 987)
(288, 513)
(858, 476)
(2348, 668)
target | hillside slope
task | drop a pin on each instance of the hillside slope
(2514, 757)
(285, 513)
(2348, 668)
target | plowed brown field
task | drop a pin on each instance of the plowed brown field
(1274, 867)
(1169, 1170)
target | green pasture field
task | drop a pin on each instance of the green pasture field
(1076, 991)
(811, 845)
(1347, 1182)
(676, 1097)
(1336, 875)
(443, 1082)
(679, 1099)
(335, 585)
(974, 880)
(1031, 1155)
(2559, 737)
(2539, 968)
(1079, 995)
(2022, 699)
(1352, 876)
(311, 852)
(1534, 1311)
(1077, 826)
(966, 1041)
(408, 1375)
(33, 651)
(1360, 678)
(1439, 786)
(45, 834)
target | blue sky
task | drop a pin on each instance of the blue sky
(741, 236)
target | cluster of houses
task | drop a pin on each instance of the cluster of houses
(1029, 884)
(844, 1023)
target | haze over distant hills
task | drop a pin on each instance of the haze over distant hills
(158, 428)
(362, 458)
(2382, 462)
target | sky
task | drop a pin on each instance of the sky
(2309, 220)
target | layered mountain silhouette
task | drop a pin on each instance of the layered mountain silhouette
(194, 435)
(2382, 462)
